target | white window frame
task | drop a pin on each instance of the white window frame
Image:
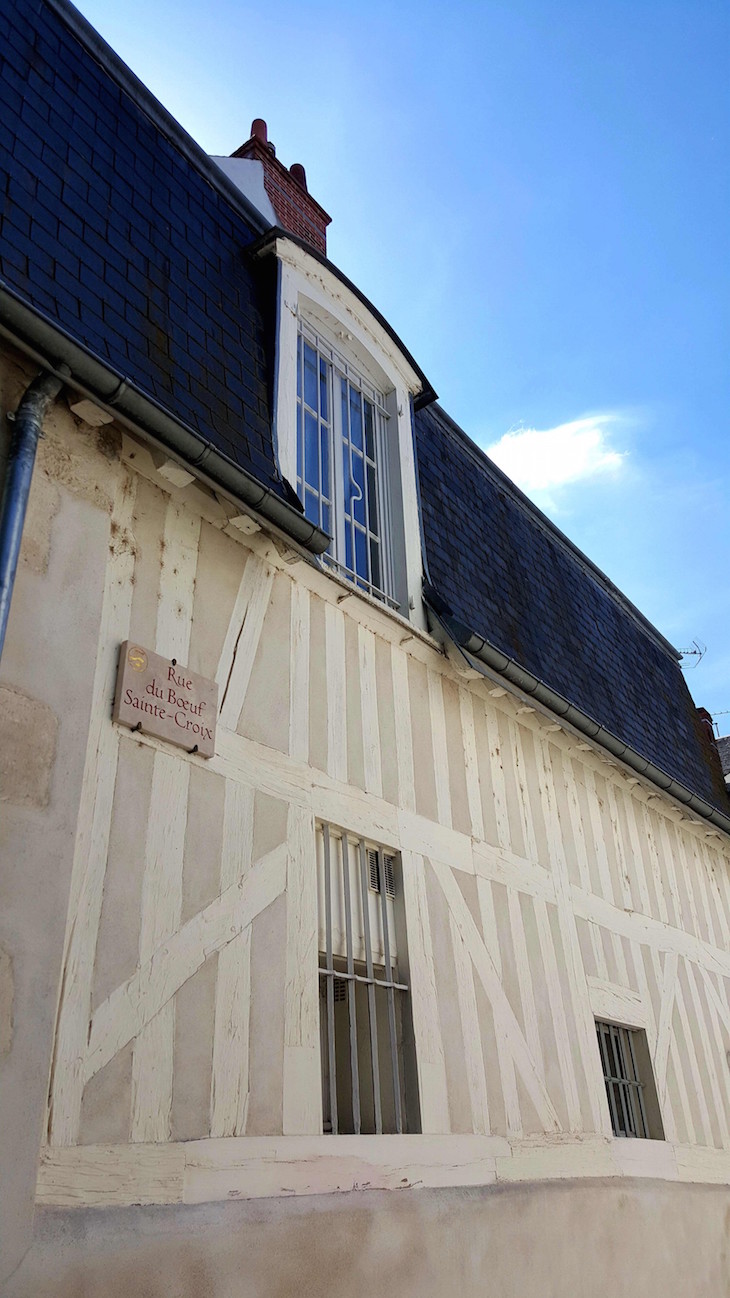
(312, 296)
(631, 1092)
(332, 506)
(359, 948)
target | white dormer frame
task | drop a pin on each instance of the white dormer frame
(311, 293)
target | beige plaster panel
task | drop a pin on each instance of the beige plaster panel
(193, 1054)
(451, 1030)
(221, 563)
(386, 720)
(455, 752)
(265, 715)
(43, 504)
(7, 1002)
(69, 456)
(266, 1059)
(107, 1103)
(203, 841)
(535, 810)
(117, 948)
(78, 457)
(423, 771)
(317, 685)
(484, 768)
(353, 704)
(629, 1240)
(506, 761)
(148, 522)
(28, 730)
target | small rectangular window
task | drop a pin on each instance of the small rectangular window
(630, 1088)
(366, 1037)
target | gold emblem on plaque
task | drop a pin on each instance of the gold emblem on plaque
(137, 659)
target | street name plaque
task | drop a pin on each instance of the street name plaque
(159, 697)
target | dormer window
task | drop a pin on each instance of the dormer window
(343, 427)
(342, 464)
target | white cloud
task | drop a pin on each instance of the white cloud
(542, 459)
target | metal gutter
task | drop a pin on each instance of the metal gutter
(27, 430)
(267, 244)
(117, 69)
(472, 643)
(31, 331)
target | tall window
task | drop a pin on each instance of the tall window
(630, 1089)
(368, 1062)
(341, 478)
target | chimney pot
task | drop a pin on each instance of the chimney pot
(295, 209)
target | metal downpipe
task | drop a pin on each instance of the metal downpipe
(27, 428)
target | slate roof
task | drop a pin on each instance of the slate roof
(110, 232)
(505, 572)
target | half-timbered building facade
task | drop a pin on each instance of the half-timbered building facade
(406, 963)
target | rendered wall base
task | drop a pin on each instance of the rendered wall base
(584, 1239)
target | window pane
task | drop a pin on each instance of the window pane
(299, 443)
(299, 365)
(357, 465)
(323, 388)
(347, 484)
(311, 506)
(348, 547)
(375, 564)
(355, 418)
(369, 429)
(372, 502)
(324, 438)
(311, 451)
(310, 376)
(361, 553)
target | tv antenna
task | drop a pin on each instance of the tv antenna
(697, 652)
(724, 713)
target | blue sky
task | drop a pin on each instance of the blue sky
(535, 193)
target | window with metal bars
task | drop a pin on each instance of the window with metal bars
(341, 464)
(368, 1061)
(630, 1089)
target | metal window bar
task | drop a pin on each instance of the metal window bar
(330, 979)
(341, 363)
(355, 577)
(332, 975)
(371, 991)
(624, 1088)
(391, 999)
(317, 499)
(353, 404)
(354, 1071)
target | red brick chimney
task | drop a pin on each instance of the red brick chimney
(296, 210)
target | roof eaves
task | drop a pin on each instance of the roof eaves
(52, 346)
(475, 646)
